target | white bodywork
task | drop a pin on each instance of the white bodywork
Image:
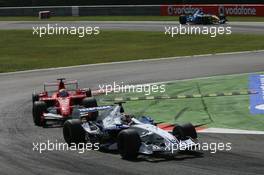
(159, 139)
(153, 138)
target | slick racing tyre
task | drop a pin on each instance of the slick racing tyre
(35, 97)
(88, 93)
(182, 132)
(189, 130)
(90, 102)
(178, 132)
(206, 20)
(73, 132)
(128, 144)
(39, 107)
(182, 19)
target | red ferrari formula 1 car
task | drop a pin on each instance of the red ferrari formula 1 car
(60, 101)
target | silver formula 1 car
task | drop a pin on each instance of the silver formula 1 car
(115, 130)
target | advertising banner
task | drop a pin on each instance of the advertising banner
(256, 84)
(216, 9)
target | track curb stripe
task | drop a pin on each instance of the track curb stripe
(220, 94)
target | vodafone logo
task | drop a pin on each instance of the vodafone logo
(240, 10)
(172, 10)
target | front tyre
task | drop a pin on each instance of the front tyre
(73, 132)
(39, 108)
(182, 132)
(178, 132)
(128, 144)
(189, 130)
(35, 97)
(183, 19)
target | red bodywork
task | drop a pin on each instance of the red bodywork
(63, 105)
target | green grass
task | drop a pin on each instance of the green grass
(20, 50)
(226, 112)
(120, 18)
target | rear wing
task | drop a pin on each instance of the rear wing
(58, 84)
(85, 111)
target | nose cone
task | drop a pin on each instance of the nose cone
(65, 106)
(65, 111)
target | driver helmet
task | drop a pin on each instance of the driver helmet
(127, 118)
(63, 93)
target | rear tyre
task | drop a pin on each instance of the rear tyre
(128, 144)
(39, 107)
(73, 132)
(90, 102)
(182, 19)
(206, 20)
(88, 93)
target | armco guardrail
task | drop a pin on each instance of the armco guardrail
(83, 10)
(120, 10)
(33, 11)
(132, 10)
(25, 3)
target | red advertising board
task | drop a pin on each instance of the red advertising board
(227, 9)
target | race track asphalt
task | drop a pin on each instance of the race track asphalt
(18, 132)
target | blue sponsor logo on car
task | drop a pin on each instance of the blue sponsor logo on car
(94, 109)
(256, 84)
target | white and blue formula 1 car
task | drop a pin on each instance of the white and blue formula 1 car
(200, 18)
(115, 130)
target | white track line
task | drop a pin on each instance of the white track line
(199, 78)
(132, 61)
(229, 131)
